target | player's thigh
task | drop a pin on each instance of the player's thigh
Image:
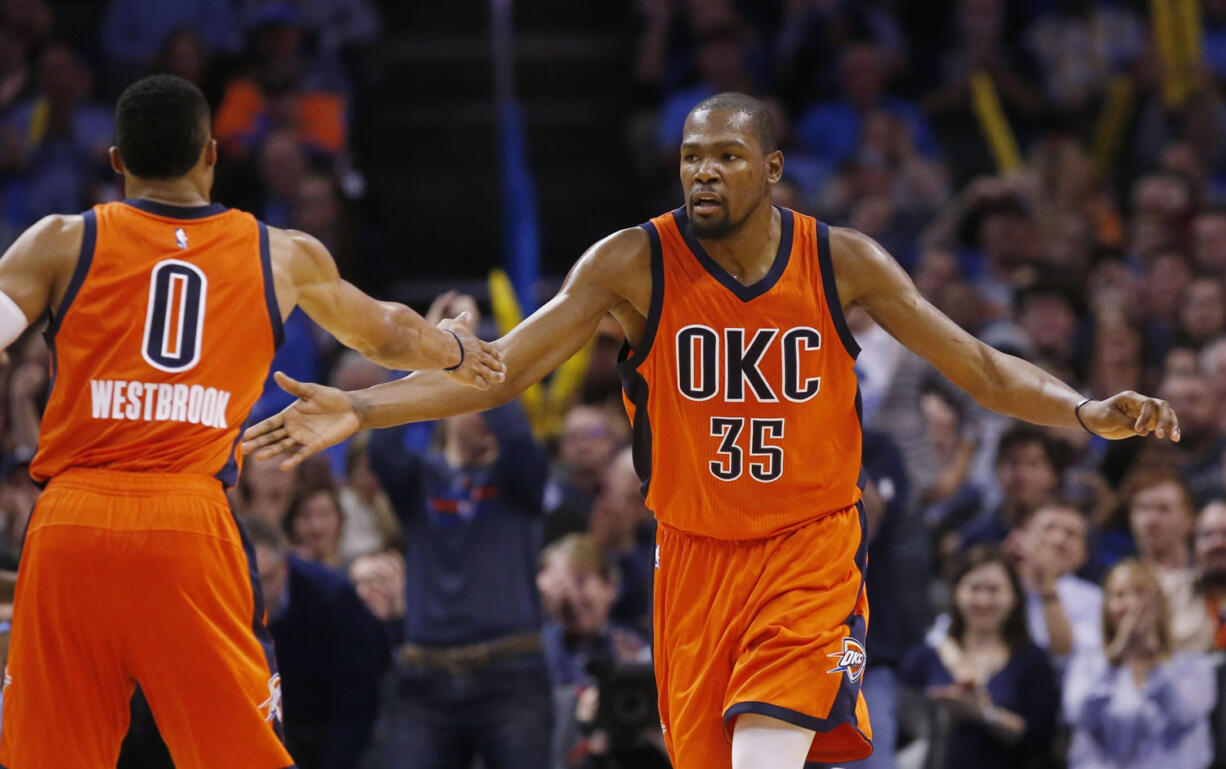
(761, 742)
(204, 657)
(67, 688)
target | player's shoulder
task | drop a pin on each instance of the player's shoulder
(299, 252)
(54, 237)
(625, 249)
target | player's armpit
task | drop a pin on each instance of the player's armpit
(35, 270)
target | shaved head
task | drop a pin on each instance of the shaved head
(756, 116)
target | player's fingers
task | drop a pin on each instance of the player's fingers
(492, 351)
(1168, 422)
(284, 446)
(291, 386)
(479, 382)
(260, 434)
(255, 441)
(1142, 424)
(491, 374)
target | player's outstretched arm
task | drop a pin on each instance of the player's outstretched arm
(869, 277)
(390, 334)
(323, 416)
(35, 270)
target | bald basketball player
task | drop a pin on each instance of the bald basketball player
(165, 311)
(738, 378)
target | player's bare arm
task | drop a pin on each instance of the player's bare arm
(387, 333)
(35, 270)
(869, 277)
(612, 276)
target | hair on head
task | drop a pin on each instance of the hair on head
(161, 125)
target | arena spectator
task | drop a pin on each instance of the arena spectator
(315, 521)
(1063, 612)
(1198, 455)
(370, 525)
(1134, 702)
(53, 145)
(337, 25)
(134, 30)
(831, 129)
(186, 53)
(470, 678)
(578, 584)
(1210, 550)
(585, 448)
(1079, 45)
(331, 654)
(1027, 471)
(264, 491)
(1161, 515)
(992, 692)
(625, 531)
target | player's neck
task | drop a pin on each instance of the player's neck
(176, 192)
(748, 253)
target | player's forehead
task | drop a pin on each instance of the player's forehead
(706, 129)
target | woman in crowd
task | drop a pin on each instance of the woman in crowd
(992, 692)
(1134, 703)
(314, 524)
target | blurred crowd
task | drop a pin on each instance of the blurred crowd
(479, 590)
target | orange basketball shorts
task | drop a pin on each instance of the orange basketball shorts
(770, 626)
(132, 578)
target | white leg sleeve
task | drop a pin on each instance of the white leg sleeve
(12, 321)
(761, 742)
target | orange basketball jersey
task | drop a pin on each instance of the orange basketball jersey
(743, 399)
(162, 343)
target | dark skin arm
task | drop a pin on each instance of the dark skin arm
(612, 277)
(869, 277)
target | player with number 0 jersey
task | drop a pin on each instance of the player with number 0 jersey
(165, 311)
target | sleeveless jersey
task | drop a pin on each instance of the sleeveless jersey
(743, 399)
(162, 343)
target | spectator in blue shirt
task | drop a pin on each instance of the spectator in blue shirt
(831, 130)
(1134, 702)
(470, 678)
(134, 30)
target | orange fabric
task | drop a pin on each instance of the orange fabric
(1217, 614)
(320, 117)
(111, 406)
(762, 627)
(240, 107)
(133, 578)
(786, 441)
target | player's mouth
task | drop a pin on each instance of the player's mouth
(706, 202)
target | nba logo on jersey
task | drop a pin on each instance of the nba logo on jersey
(851, 660)
(273, 703)
(181, 238)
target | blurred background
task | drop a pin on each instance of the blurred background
(1052, 173)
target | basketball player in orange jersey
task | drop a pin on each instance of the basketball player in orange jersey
(739, 384)
(165, 313)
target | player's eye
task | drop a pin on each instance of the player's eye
(691, 158)
(729, 156)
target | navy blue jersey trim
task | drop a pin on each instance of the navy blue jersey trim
(637, 391)
(89, 238)
(742, 292)
(175, 212)
(630, 358)
(270, 289)
(258, 628)
(796, 718)
(831, 289)
(228, 474)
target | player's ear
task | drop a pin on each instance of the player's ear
(774, 166)
(210, 153)
(116, 160)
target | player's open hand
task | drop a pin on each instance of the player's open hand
(321, 417)
(1127, 414)
(480, 363)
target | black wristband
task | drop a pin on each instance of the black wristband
(1077, 413)
(461, 344)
